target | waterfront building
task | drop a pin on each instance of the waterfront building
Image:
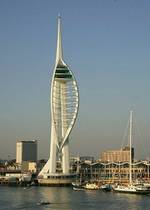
(122, 155)
(108, 172)
(64, 108)
(26, 151)
(29, 167)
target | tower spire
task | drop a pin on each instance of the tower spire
(59, 51)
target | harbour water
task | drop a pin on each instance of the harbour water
(65, 198)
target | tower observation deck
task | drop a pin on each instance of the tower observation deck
(64, 109)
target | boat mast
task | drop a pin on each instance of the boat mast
(130, 145)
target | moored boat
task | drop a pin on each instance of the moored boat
(106, 187)
(131, 187)
(91, 186)
(77, 186)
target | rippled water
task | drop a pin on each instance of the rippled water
(66, 199)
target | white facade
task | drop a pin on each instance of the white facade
(26, 151)
(19, 152)
(64, 108)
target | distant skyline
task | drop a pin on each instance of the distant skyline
(107, 46)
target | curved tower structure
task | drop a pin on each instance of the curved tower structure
(64, 108)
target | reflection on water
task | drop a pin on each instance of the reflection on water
(66, 199)
(129, 201)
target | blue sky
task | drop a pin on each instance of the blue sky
(107, 45)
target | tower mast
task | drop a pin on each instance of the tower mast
(59, 50)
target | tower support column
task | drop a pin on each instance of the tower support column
(65, 158)
(53, 151)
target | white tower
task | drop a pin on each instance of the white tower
(64, 109)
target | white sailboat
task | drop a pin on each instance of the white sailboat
(131, 188)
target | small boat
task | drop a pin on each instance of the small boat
(106, 187)
(77, 186)
(91, 186)
(42, 203)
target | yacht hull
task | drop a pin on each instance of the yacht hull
(132, 191)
